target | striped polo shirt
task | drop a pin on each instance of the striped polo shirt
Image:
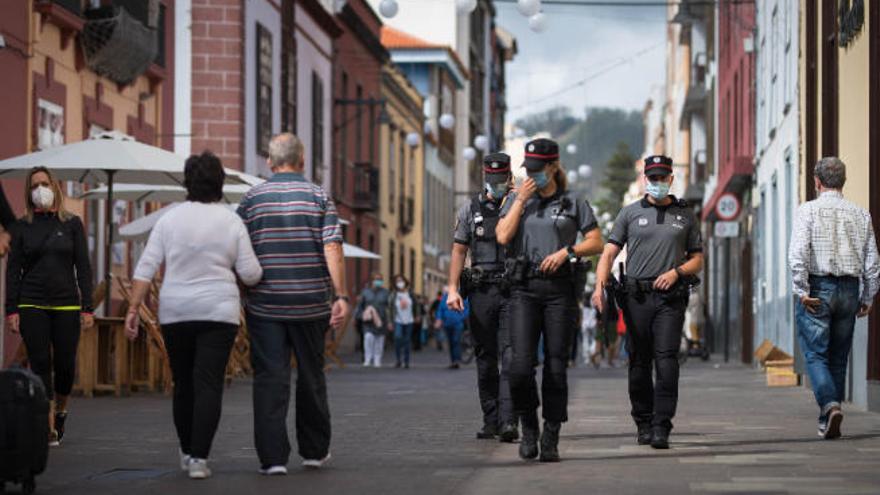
(289, 220)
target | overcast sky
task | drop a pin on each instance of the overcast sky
(582, 42)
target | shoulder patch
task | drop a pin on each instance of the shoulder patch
(683, 203)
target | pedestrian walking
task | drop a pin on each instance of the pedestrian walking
(438, 329)
(372, 311)
(204, 247)
(488, 292)
(606, 335)
(452, 322)
(7, 220)
(295, 232)
(402, 305)
(664, 252)
(835, 272)
(49, 290)
(542, 221)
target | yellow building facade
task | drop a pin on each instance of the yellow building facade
(401, 190)
(840, 116)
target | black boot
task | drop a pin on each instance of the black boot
(550, 442)
(489, 431)
(528, 446)
(660, 438)
(645, 436)
(60, 418)
(509, 433)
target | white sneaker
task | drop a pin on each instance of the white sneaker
(316, 463)
(377, 365)
(184, 460)
(198, 469)
(274, 471)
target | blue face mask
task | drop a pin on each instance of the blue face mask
(497, 191)
(658, 190)
(377, 284)
(540, 179)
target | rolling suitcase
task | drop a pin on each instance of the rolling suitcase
(24, 428)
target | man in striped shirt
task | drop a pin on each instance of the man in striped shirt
(836, 273)
(296, 235)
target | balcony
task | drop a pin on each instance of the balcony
(365, 195)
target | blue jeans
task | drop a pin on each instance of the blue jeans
(453, 335)
(826, 337)
(402, 341)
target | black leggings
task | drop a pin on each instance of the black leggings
(51, 338)
(198, 352)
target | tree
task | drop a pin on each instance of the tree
(619, 174)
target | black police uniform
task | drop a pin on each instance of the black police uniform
(658, 239)
(483, 285)
(543, 304)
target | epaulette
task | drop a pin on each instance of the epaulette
(683, 203)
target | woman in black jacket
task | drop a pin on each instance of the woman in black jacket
(49, 290)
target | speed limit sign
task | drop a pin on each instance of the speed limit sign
(728, 206)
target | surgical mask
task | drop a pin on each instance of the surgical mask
(377, 284)
(540, 179)
(400, 285)
(43, 197)
(658, 190)
(497, 191)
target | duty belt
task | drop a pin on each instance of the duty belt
(561, 272)
(641, 285)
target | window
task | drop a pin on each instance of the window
(343, 141)
(401, 142)
(412, 267)
(317, 129)
(390, 259)
(264, 90)
(391, 168)
(288, 68)
(402, 266)
(359, 125)
(357, 262)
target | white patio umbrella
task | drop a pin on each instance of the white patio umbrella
(106, 158)
(162, 194)
(138, 230)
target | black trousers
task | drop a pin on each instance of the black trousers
(198, 352)
(541, 307)
(489, 328)
(654, 322)
(51, 338)
(271, 344)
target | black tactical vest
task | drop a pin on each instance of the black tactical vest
(486, 253)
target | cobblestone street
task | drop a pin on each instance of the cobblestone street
(412, 431)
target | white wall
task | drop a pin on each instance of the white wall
(430, 20)
(776, 173)
(263, 12)
(314, 50)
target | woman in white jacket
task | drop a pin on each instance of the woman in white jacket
(204, 246)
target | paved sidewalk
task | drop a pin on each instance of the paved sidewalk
(412, 432)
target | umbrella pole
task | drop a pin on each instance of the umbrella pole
(108, 253)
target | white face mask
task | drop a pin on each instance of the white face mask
(43, 197)
(400, 285)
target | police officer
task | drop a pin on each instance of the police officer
(541, 222)
(475, 232)
(664, 253)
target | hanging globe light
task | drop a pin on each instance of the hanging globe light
(447, 121)
(429, 128)
(465, 6)
(481, 142)
(572, 176)
(388, 8)
(538, 22)
(528, 8)
(571, 149)
(519, 132)
(585, 171)
(412, 139)
(469, 153)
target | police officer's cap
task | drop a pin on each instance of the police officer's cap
(496, 167)
(540, 152)
(658, 165)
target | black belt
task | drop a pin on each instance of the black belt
(642, 285)
(561, 272)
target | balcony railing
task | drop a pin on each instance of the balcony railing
(365, 196)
